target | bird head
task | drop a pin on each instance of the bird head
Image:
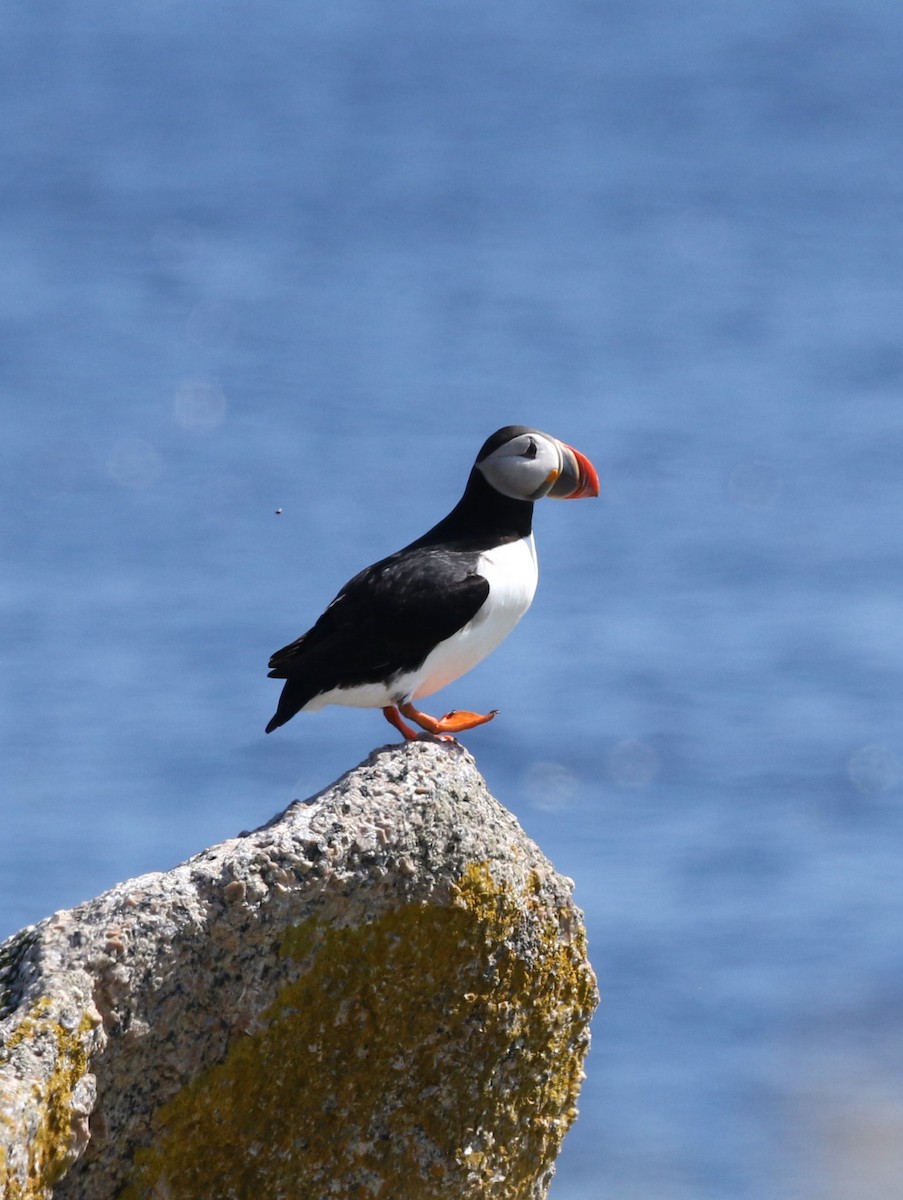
(525, 464)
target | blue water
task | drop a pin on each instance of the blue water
(294, 256)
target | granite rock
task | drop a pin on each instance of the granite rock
(383, 992)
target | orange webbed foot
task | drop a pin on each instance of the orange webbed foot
(459, 719)
(453, 722)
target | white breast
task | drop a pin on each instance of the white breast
(512, 574)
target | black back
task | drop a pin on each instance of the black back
(387, 619)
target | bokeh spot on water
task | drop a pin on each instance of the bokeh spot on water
(632, 764)
(550, 786)
(874, 769)
(199, 406)
(134, 463)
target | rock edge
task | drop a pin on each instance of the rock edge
(382, 992)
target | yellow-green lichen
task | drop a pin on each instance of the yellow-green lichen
(418, 1056)
(49, 1149)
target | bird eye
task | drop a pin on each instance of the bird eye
(530, 451)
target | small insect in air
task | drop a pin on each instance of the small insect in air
(278, 512)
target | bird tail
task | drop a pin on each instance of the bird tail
(295, 694)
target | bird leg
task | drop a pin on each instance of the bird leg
(393, 716)
(453, 722)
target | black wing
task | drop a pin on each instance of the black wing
(385, 621)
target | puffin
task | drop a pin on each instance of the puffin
(412, 623)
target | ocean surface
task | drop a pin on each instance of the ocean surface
(270, 273)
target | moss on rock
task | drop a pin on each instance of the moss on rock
(427, 1054)
(50, 1147)
(382, 992)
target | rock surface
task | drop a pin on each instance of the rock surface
(383, 992)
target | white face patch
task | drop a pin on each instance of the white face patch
(524, 468)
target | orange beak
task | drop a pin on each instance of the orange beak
(578, 476)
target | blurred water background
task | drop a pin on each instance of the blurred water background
(285, 255)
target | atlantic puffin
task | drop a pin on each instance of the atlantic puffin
(413, 622)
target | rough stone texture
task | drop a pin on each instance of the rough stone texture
(383, 992)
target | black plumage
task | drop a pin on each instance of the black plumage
(415, 621)
(387, 619)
